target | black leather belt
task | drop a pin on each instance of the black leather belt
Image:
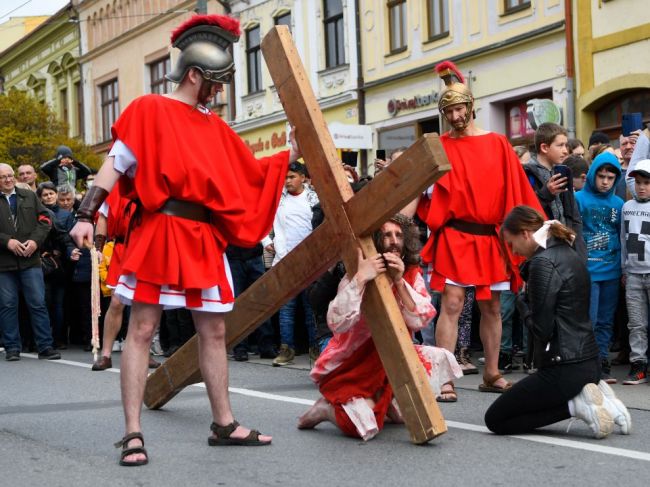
(472, 227)
(186, 209)
(119, 240)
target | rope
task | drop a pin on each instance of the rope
(94, 300)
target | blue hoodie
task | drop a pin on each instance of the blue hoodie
(601, 220)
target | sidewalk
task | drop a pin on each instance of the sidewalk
(636, 397)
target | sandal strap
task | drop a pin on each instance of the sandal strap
(254, 435)
(136, 435)
(132, 451)
(491, 380)
(224, 432)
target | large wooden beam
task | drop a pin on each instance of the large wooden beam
(304, 264)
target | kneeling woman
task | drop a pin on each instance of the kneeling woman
(555, 309)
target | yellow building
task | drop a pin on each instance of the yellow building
(510, 51)
(126, 52)
(324, 32)
(16, 27)
(612, 41)
(44, 63)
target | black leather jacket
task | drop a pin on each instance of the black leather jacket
(556, 305)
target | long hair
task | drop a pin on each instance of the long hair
(412, 245)
(523, 218)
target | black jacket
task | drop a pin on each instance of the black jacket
(556, 305)
(33, 222)
(572, 217)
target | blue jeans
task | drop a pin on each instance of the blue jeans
(31, 282)
(287, 314)
(54, 296)
(604, 299)
(244, 274)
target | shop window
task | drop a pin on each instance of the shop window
(284, 19)
(397, 25)
(512, 6)
(254, 60)
(518, 129)
(110, 106)
(334, 38)
(437, 19)
(609, 116)
(157, 70)
(80, 109)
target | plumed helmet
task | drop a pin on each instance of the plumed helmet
(204, 41)
(455, 90)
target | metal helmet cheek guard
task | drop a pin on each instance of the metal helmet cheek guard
(455, 90)
(204, 41)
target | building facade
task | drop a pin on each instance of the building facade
(324, 32)
(612, 39)
(17, 27)
(510, 51)
(45, 63)
(125, 53)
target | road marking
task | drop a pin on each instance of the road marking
(547, 440)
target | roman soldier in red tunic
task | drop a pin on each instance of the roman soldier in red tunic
(464, 211)
(198, 188)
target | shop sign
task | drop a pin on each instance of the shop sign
(347, 136)
(540, 110)
(396, 105)
(275, 141)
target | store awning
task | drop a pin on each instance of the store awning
(351, 136)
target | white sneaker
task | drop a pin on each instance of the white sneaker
(589, 407)
(117, 346)
(616, 408)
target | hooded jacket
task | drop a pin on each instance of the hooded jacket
(601, 220)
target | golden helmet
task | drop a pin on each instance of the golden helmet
(455, 90)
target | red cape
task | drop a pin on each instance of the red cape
(185, 154)
(485, 183)
(120, 210)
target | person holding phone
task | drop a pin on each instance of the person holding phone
(553, 187)
(380, 160)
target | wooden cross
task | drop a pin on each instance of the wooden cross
(349, 223)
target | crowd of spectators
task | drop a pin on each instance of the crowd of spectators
(588, 199)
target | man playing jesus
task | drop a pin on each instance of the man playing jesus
(356, 394)
(198, 188)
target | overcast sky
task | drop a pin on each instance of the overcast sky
(20, 8)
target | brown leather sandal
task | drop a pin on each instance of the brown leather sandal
(223, 438)
(451, 395)
(130, 451)
(488, 384)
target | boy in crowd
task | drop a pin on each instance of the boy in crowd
(579, 169)
(601, 216)
(635, 259)
(551, 188)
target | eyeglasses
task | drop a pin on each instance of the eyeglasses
(7, 176)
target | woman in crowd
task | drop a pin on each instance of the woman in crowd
(555, 309)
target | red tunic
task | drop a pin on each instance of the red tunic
(120, 210)
(485, 183)
(185, 154)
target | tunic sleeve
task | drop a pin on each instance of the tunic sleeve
(345, 309)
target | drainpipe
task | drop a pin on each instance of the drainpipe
(570, 70)
(361, 92)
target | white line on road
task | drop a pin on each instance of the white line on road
(578, 445)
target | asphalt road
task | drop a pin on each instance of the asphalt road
(59, 420)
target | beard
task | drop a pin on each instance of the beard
(205, 95)
(395, 249)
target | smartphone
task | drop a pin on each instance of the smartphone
(381, 154)
(565, 171)
(631, 122)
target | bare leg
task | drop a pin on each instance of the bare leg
(490, 330)
(211, 330)
(319, 412)
(135, 360)
(451, 306)
(112, 325)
